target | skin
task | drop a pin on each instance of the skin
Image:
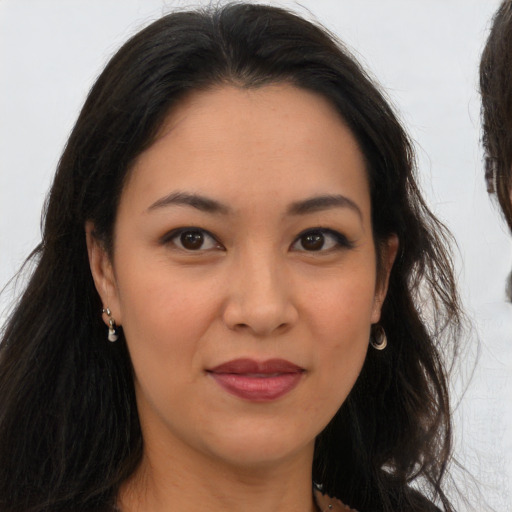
(254, 289)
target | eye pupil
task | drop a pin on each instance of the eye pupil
(313, 241)
(192, 240)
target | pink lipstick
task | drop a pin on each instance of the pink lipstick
(258, 381)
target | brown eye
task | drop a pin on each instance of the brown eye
(312, 241)
(192, 240)
(321, 240)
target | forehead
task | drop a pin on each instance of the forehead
(276, 140)
(255, 114)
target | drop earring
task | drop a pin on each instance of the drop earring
(112, 328)
(378, 338)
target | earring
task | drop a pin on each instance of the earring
(378, 339)
(112, 329)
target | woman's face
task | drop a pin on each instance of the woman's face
(244, 274)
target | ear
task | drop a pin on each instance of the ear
(389, 251)
(103, 274)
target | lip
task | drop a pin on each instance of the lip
(257, 381)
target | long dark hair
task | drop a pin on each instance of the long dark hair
(69, 429)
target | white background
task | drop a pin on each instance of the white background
(424, 52)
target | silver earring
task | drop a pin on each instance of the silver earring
(378, 339)
(112, 329)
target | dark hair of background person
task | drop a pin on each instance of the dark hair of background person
(69, 429)
(496, 92)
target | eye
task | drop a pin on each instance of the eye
(192, 239)
(320, 239)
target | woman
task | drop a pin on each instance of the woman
(496, 91)
(239, 291)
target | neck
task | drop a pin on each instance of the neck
(186, 482)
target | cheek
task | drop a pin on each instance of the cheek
(342, 309)
(165, 315)
(154, 294)
(164, 324)
(341, 328)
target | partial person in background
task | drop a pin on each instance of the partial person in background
(496, 91)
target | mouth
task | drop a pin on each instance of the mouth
(257, 381)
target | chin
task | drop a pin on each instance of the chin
(262, 448)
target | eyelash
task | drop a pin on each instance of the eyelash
(340, 240)
(173, 236)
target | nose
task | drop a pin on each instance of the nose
(260, 298)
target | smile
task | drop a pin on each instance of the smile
(257, 381)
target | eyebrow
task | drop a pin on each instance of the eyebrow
(324, 202)
(202, 203)
(303, 207)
